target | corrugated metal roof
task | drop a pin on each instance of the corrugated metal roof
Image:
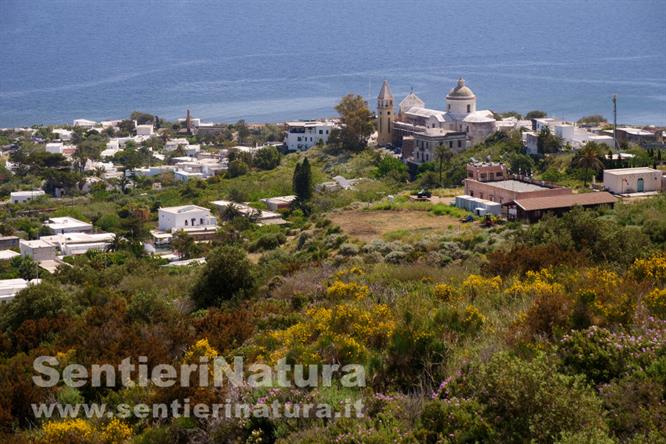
(565, 201)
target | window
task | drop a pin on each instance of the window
(298, 138)
(321, 131)
(186, 222)
(469, 108)
(459, 143)
(201, 221)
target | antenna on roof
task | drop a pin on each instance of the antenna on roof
(614, 99)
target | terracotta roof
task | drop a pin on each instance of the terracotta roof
(565, 201)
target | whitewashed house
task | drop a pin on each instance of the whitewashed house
(66, 224)
(633, 180)
(173, 144)
(144, 130)
(184, 176)
(262, 217)
(63, 134)
(10, 287)
(71, 244)
(39, 250)
(185, 217)
(55, 147)
(84, 123)
(6, 255)
(279, 202)
(24, 196)
(305, 134)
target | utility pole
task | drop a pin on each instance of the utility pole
(615, 120)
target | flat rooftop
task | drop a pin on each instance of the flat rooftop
(637, 170)
(516, 185)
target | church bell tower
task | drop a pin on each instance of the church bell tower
(384, 115)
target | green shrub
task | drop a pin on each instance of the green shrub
(454, 421)
(529, 401)
(228, 274)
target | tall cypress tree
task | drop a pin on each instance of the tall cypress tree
(302, 182)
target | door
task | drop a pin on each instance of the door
(640, 187)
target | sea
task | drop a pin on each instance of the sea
(277, 60)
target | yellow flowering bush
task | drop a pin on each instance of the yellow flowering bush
(535, 284)
(607, 293)
(474, 319)
(116, 432)
(343, 332)
(653, 268)
(351, 271)
(200, 349)
(68, 431)
(446, 293)
(347, 290)
(476, 285)
(656, 302)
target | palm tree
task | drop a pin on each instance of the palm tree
(588, 159)
(443, 155)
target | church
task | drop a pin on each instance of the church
(419, 130)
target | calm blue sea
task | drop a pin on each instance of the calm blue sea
(285, 59)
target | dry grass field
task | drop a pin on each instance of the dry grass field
(391, 225)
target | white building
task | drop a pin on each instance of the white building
(6, 255)
(144, 130)
(63, 134)
(633, 180)
(305, 134)
(55, 147)
(192, 150)
(39, 250)
(569, 132)
(84, 123)
(262, 217)
(66, 224)
(279, 202)
(24, 196)
(71, 244)
(173, 144)
(184, 176)
(155, 170)
(110, 123)
(185, 217)
(10, 287)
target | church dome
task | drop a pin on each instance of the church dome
(461, 91)
(411, 101)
